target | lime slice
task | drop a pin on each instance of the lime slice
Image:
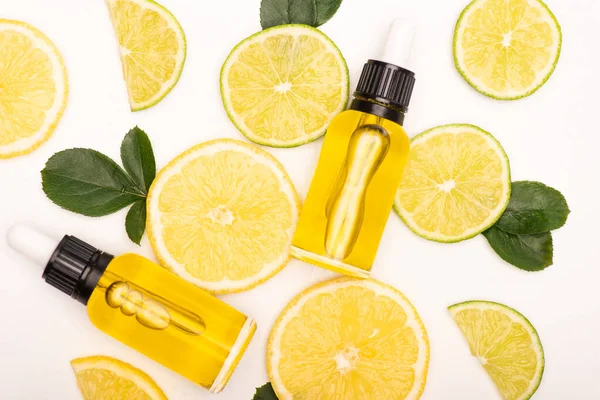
(506, 344)
(222, 215)
(152, 47)
(348, 339)
(456, 183)
(33, 88)
(106, 378)
(507, 49)
(282, 86)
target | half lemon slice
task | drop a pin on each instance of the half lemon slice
(506, 344)
(152, 47)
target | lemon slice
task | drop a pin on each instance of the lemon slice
(33, 88)
(152, 47)
(507, 49)
(106, 378)
(222, 216)
(456, 183)
(282, 86)
(348, 339)
(506, 344)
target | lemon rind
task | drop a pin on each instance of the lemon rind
(28, 145)
(123, 370)
(291, 310)
(153, 224)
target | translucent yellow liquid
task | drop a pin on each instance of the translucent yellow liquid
(352, 193)
(170, 320)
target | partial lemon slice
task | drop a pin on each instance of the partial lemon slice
(222, 215)
(506, 344)
(507, 49)
(33, 88)
(348, 339)
(152, 47)
(106, 378)
(282, 86)
(456, 183)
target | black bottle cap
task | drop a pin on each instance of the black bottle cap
(386, 84)
(75, 268)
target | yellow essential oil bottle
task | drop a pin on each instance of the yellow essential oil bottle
(144, 306)
(360, 167)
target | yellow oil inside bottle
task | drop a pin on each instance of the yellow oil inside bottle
(192, 333)
(352, 193)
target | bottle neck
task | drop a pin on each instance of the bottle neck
(91, 276)
(380, 109)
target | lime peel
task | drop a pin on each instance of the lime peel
(272, 88)
(504, 40)
(449, 183)
(517, 319)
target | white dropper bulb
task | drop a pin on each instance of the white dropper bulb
(31, 243)
(398, 44)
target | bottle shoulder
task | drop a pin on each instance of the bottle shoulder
(131, 257)
(353, 119)
(131, 264)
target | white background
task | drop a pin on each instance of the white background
(552, 136)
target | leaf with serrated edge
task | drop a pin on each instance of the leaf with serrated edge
(138, 158)
(309, 12)
(326, 10)
(533, 208)
(135, 222)
(527, 252)
(87, 182)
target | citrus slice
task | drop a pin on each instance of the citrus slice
(106, 378)
(33, 88)
(456, 183)
(222, 215)
(507, 49)
(348, 339)
(152, 47)
(282, 86)
(506, 344)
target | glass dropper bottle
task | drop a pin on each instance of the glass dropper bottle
(144, 306)
(360, 166)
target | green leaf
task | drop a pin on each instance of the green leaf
(88, 182)
(326, 9)
(135, 222)
(310, 12)
(533, 208)
(528, 252)
(265, 392)
(138, 158)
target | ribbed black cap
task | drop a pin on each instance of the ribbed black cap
(68, 264)
(75, 268)
(386, 83)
